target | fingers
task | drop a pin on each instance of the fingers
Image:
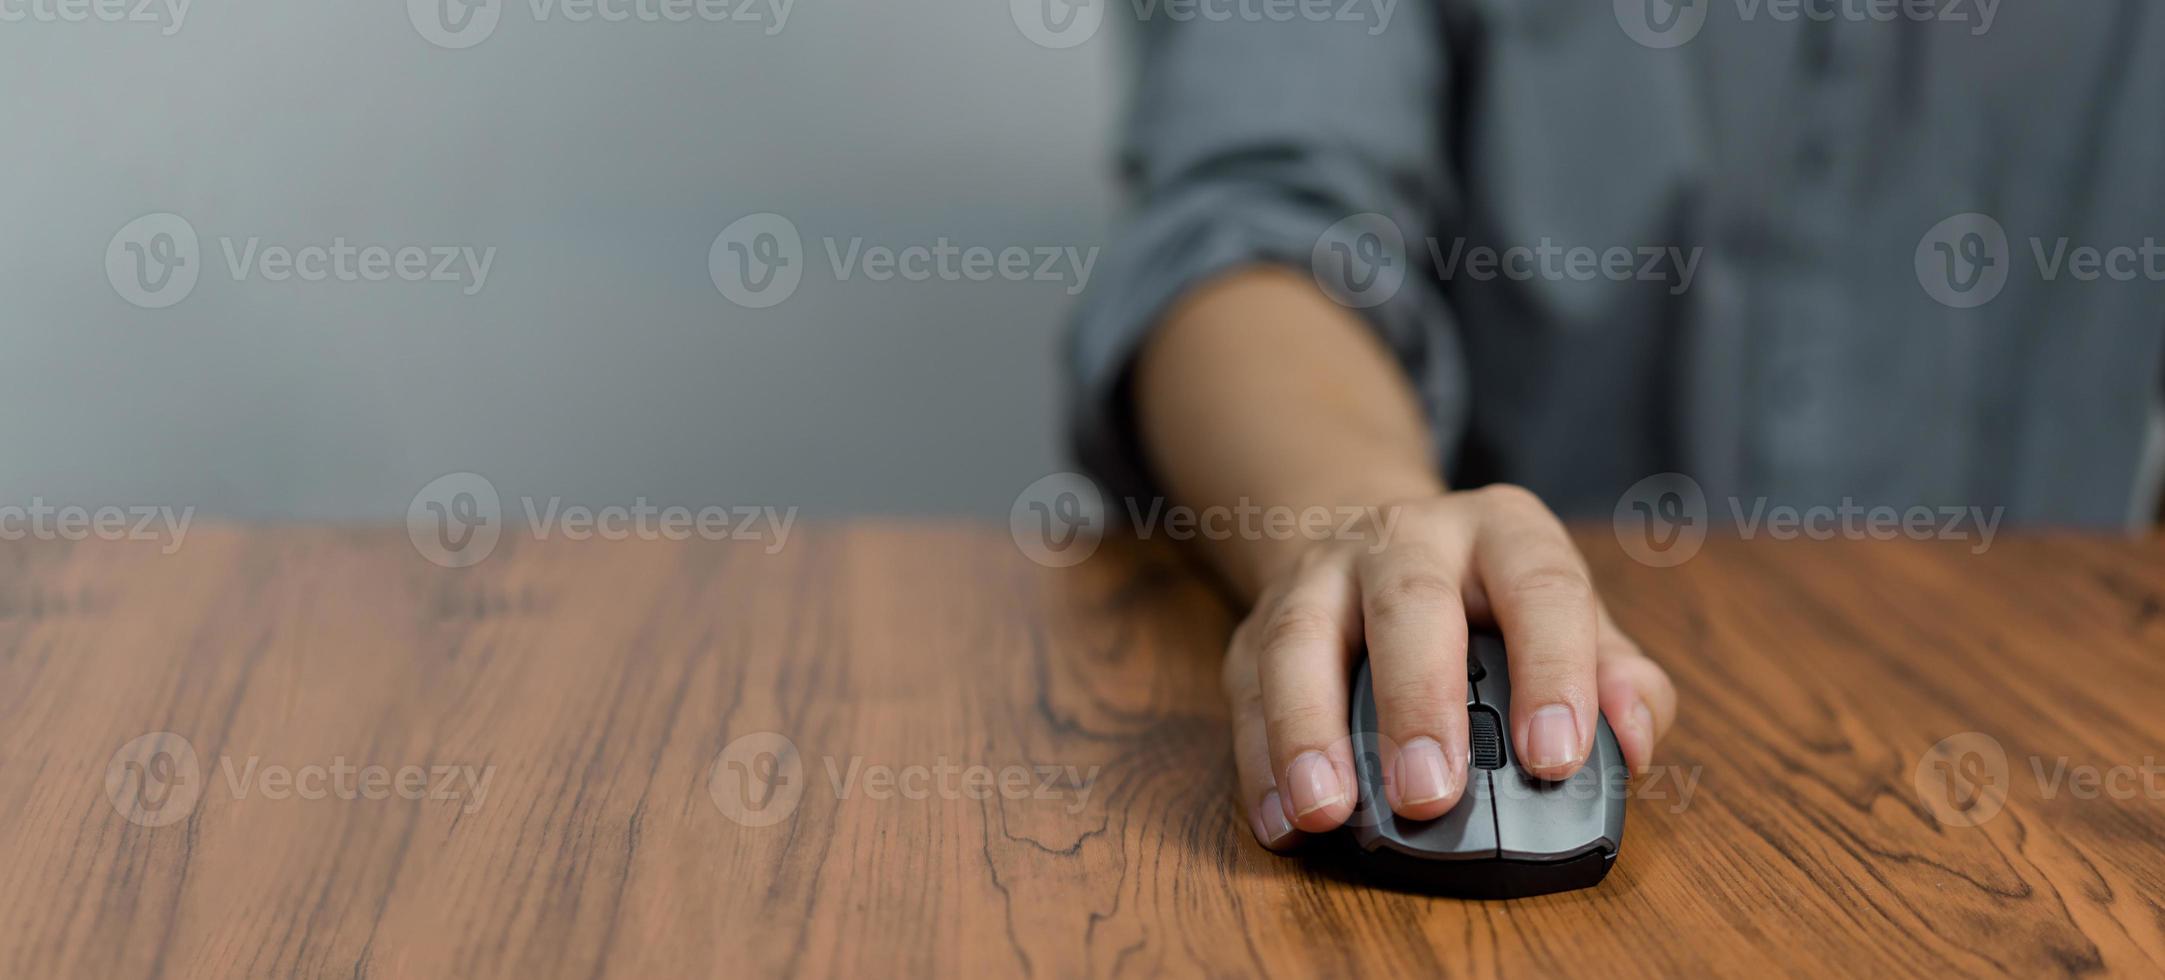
(1305, 639)
(1636, 695)
(1543, 600)
(1416, 629)
(1259, 801)
(1497, 554)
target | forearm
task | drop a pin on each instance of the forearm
(1259, 389)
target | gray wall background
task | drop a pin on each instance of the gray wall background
(600, 362)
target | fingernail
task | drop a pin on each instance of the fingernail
(1552, 737)
(1423, 775)
(1314, 784)
(1271, 826)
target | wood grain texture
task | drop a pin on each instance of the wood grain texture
(600, 684)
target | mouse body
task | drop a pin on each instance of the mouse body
(1511, 835)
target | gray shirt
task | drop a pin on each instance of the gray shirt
(1857, 251)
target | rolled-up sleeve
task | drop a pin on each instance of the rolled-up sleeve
(1245, 143)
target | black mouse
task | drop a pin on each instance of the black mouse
(1511, 835)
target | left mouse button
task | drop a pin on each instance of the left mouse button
(1466, 833)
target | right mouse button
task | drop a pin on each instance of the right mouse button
(1537, 820)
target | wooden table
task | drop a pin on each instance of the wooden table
(597, 801)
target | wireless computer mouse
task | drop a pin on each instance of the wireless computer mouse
(1510, 835)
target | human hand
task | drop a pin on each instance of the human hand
(1408, 587)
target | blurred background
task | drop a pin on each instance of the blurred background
(599, 359)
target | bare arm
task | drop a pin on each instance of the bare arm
(1258, 390)
(1260, 387)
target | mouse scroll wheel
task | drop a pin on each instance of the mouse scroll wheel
(1487, 731)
